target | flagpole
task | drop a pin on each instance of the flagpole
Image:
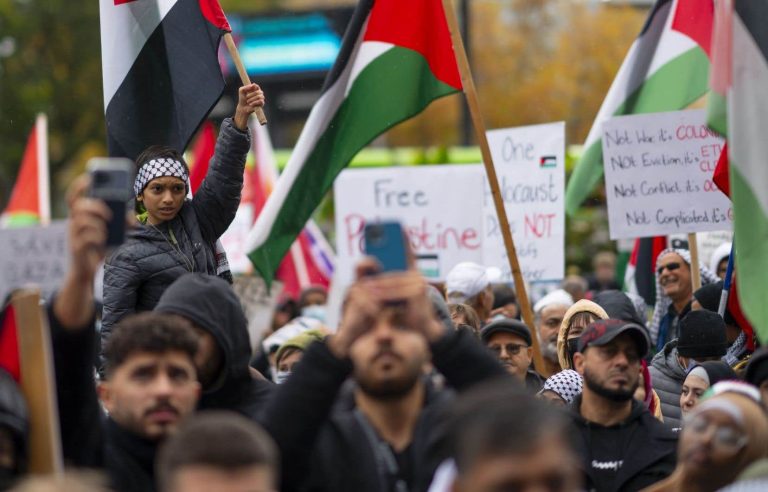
(477, 121)
(693, 247)
(235, 54)
(43, 177)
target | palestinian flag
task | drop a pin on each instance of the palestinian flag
(396, 58)
(30, 202)
(640, 276)
(666, 69)
(160, 70)
(747, 147)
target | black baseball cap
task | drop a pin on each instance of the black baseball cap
(511, 326)
(603, 331)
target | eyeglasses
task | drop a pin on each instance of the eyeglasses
(511, 348)
(725, 437)
(669, 266)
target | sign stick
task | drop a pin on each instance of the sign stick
(38, 383)
(693, 247)
(235, 54)
(477, 121)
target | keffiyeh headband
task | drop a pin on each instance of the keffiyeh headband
(158, 168)
(567, 384)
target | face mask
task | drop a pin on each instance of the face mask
(281, 376)
(573, 345)
(316, 311)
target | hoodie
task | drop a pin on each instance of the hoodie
(210, 304)
(667, 376)
(582, 306)
(628, 456)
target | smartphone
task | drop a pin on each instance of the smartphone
(385, 241)
(112, 181)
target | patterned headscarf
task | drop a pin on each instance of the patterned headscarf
(663, 301)
(158, 168)
(567, 384)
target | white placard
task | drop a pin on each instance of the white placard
(530, 165)
(234, 241)
(33, 256)
(658, 175)
(439, 206)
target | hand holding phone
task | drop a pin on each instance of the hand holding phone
(112, 182)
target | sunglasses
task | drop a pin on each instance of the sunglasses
(511, 348)
(669, 266)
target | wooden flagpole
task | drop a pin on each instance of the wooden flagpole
(232, 48)
(693, 247)
(38, 383)
(477, 121)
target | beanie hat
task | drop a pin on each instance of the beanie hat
(702, 334)
(468, 279)
(556, 297)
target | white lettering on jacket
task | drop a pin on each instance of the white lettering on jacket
(607, 465)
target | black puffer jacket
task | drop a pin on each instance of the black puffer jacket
(210, 303)
(138, 272)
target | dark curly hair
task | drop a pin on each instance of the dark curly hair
(148, 332)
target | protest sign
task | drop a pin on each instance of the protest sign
(234, 237)
(33, 256)
(530, 165)
(658, 175)
(439, 207)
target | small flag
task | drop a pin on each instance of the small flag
(548, 161)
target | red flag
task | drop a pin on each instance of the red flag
(202, 151)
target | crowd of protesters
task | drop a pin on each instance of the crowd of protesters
(418, 388)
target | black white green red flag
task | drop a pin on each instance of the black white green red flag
(160, 70)
(396, 58)
(666, 69)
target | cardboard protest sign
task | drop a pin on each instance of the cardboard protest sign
(658, 175)
(439, 206)
(530, 165)
(33, 256)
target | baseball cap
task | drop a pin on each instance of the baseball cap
(468, 279)
(603, 331)
(506, 325)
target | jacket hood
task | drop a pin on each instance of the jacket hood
(210, 303)
(667, 363)
(582, 306)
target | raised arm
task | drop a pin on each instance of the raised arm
(216, 202)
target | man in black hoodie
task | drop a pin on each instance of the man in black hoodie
(210, 304)
(386, 440)
(623, 447)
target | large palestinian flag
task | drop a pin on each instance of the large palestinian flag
(666, 69)
(30, 201)
(396, 58)
(747, 146)
(160, 70)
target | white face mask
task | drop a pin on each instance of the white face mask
(316, 311)
(281, 376)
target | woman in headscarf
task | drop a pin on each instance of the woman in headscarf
(699, 379)
(575, 320)
(722, 436)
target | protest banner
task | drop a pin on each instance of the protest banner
(439, 207)
(33, 256)
(530, 164)
(233, 240)
(658, 175)
(259, 304)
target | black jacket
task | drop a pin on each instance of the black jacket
(626, 457)
(89, 439)
(210, 303)
(138, 272)
(325, 451)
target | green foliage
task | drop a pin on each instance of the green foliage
(55, 68)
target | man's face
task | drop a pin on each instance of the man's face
(549, 327)
(388, 359)
(712, 444)
(611, 370)
(549, 465)
(209, 359)
(315, 298)
(205, 478)
(163, 198)
(149, 394)
(675, 277)
(513, 353)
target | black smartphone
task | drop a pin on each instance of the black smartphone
(112, 181)
(385, 241)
